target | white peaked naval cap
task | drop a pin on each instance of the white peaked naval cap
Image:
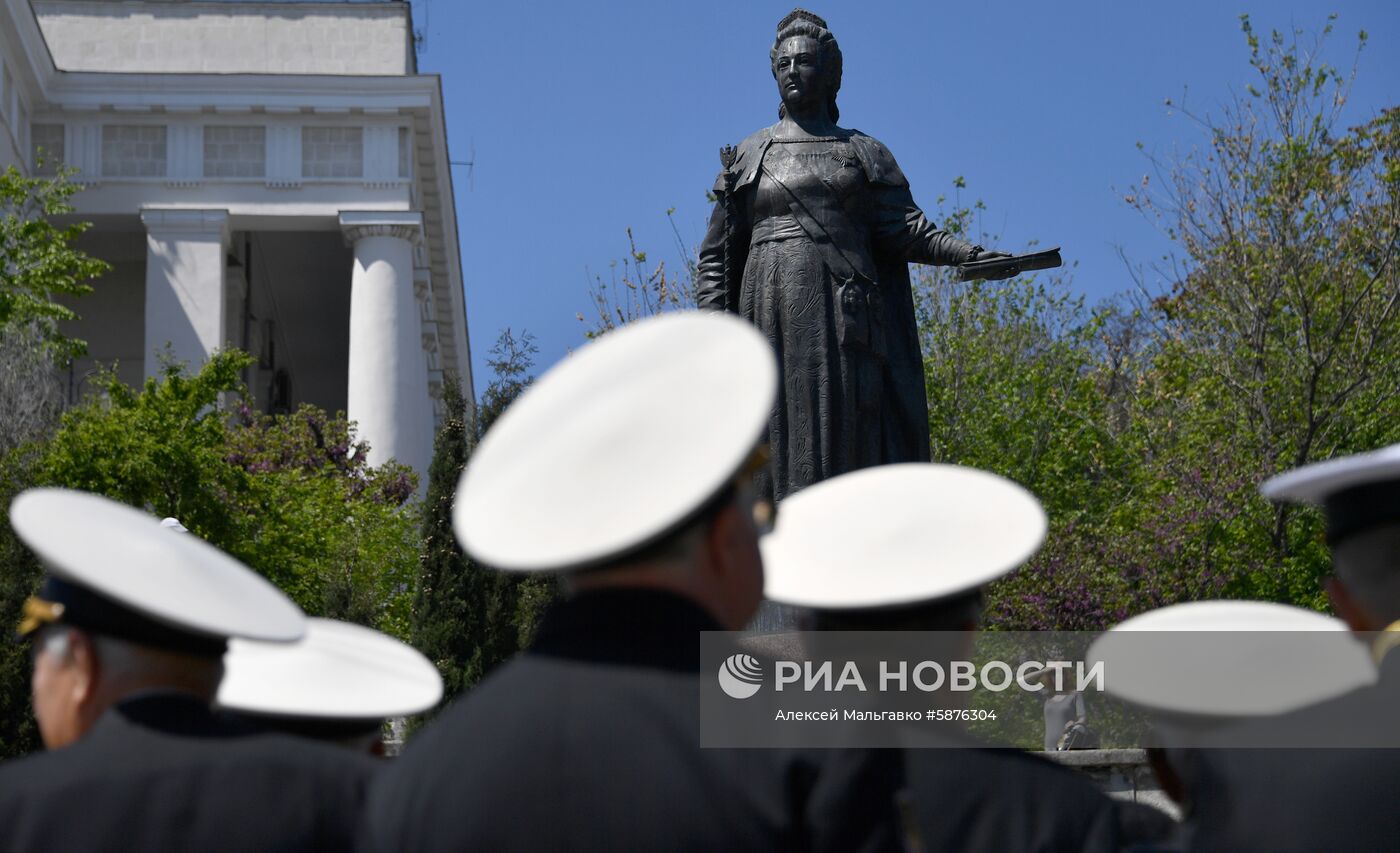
(1315, 483)
(338, 671)
(1356, 492)
(1230, 659)
(899, 535)
(618, 445)
(127, 558)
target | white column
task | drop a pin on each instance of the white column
(388, 392)
(185, 288)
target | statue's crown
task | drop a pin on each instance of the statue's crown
(802, 15)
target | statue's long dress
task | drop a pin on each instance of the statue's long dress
(852, 391)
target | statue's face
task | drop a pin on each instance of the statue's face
(798, 71)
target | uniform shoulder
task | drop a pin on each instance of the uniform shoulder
(1037, 771)
(29, 772)
(295, 748)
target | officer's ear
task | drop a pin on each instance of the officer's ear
(82, 658)
(733, 534)
(1347, 608)
(720, 537)
(1167, 776)
(732, 563)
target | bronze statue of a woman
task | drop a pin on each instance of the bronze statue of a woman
(810, 240)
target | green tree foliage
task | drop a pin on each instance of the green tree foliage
(338, 535)
(1007, 385)
(19, 577)
(466, 618)
(292, 495)
(1280, 337)
(163, 446)
(38, 264)
(1026, 381)
(444, 599)
(1146, 424)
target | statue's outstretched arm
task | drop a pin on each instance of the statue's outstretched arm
(901, 230)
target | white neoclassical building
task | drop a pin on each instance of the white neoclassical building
(269, 176)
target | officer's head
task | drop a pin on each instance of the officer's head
(128, 607)
(79, 674)
(1360, 498)
(630, 464)
(1365, 590)
(900, 547)
(1199, 669)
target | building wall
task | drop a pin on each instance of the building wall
(228, 38)
(277, 121)
(230, 150)
(112, 317)
(14, 117)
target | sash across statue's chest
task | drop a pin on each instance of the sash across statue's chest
(824, 173)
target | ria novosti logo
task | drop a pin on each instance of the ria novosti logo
(740, 676)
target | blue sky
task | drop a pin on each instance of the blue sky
(587, 119)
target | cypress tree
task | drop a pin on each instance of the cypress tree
(467, 618)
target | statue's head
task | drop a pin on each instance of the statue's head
(806, 61)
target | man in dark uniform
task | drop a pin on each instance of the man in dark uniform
(627, 469)
(909, 548)
(1343, 796)
(128, 632)
(1204, 666)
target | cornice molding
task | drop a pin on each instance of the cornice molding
(358, 225)
(162, 221)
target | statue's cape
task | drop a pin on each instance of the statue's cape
(875, 159)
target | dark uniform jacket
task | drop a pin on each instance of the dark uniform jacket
(590, 741)
(161, 772)
(1004, 799)
(1342, 796)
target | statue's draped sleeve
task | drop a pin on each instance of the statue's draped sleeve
(711, 289)
(899, 228)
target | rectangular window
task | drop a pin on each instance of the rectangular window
(332, 152)
(235, 151)
(46, 147)
(133, 150)
(405, 153)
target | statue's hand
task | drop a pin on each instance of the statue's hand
(985, 255)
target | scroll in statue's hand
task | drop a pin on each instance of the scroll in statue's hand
(1000, 265)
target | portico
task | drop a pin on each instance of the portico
(299, 207)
